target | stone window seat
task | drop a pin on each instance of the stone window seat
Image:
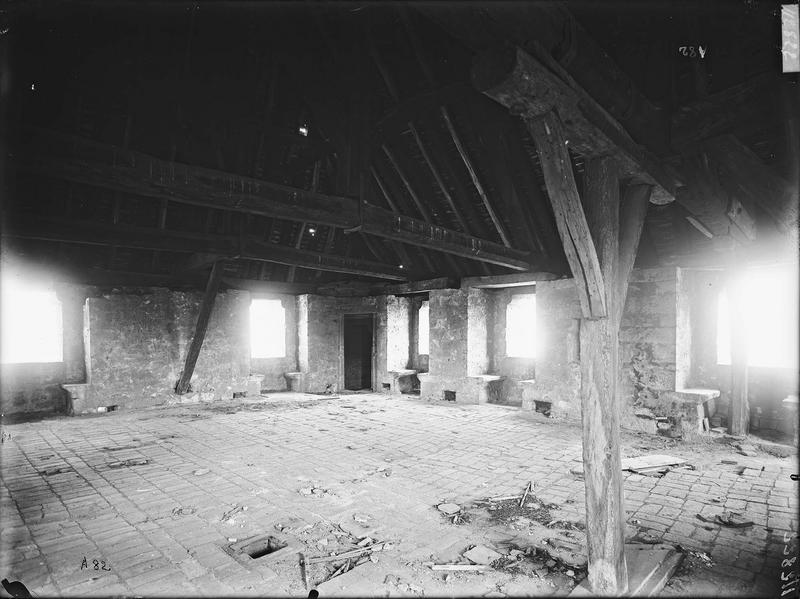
(403, 381)
(489, 387)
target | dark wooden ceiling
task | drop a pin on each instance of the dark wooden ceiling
(362, 101)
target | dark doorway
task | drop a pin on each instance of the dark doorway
(358, 334)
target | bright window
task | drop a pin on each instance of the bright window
(769, 302)
(267, 329)
(521, 326)
(31, 324)
(423, 328)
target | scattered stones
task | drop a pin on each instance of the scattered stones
(184, 510)
(482, 555)
(306, 491)
(449, 508)
(570, 573)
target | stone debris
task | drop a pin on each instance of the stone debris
(482, 555)
(229, 515)
(747, 449)
(449, 508)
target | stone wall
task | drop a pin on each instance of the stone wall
(324, 316)
(647, 338)
(32, 388)
(648, 341)
(137, 347)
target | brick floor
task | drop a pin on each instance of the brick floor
(158, 526)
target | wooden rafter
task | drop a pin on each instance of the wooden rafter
(462, 151)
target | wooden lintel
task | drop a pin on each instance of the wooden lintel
(522, 279)
(530, 89)
(576, 239)
(102, 165)
(206, 306)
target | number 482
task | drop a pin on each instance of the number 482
(692, 52)
(98, 565)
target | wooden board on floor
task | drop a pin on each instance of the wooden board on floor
(649, 462)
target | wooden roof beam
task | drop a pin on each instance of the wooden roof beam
(139, 174)
(248, 248)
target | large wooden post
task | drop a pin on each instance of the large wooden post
(605, 513)
(200, 328)
(601, 257)
(600, 239)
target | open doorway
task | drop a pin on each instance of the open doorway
(358, 336)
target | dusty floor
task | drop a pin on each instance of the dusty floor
(156, 496)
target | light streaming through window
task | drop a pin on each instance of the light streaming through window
(770, 303)
(267, 329)
(31, 324)
(521, 326)
(423, 328)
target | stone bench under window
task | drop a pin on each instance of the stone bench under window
(489, 387)
(403, 381)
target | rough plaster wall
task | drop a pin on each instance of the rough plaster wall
(448, 341)
(448, 356)
(37, 387)
(647, 351)
(274, 369)
(138, 345)
(478, 314)
(325, 315)
(514, 369)
(398, 312)
(647, 340)
(558, 367)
